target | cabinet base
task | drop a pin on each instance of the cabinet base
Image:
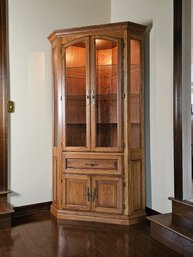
(95, 217)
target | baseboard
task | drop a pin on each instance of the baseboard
(24, 211)
(151, 212)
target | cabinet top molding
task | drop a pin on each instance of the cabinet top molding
(132, 27)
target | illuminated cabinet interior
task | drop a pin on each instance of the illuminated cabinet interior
(98, 123)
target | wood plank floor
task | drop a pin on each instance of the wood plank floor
(41, 236)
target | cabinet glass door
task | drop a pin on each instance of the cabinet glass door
(106, 94)
(135, 93)
(77, 99)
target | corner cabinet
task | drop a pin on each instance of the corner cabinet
(98, 123)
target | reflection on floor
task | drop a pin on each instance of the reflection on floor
(41, 236)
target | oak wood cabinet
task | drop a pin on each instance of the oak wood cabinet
(98, 123)
(106, 196)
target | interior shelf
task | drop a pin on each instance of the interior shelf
(100, 65)
(76, 97)
(133, 66)
(106, 123)
(135, 123)
(76, 123)
(98, 123)
(99, 97)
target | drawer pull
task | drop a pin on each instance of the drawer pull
(91, 164)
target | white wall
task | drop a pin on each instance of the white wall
(192, 64)
(30, 22)
(158, 14)
(192, 71)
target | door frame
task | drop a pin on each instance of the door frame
(3, 97)
(177, 104)
(181, 74)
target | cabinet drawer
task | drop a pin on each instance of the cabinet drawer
(93, 164)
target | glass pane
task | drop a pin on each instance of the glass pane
(75, 86)
(135, 67)
(135, 96)
(106, 92)
(55, 97)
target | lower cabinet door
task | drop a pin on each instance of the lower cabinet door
(107, 194)
(76, 192)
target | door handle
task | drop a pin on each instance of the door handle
(93, 96)
(89, 195)
(91, 164)
(95, 195)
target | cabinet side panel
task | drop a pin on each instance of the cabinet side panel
(136, 177)
(55, 181)
(55, 98)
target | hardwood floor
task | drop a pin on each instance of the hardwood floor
(41, 236)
